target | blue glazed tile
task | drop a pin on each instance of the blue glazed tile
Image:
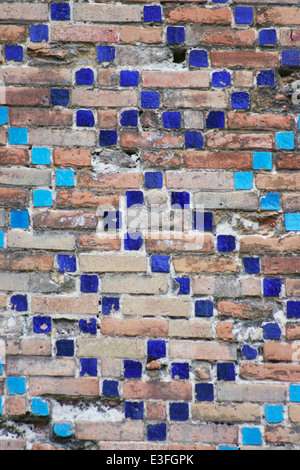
(42, 198)
(179, 411)
(194, 140)
(272, 287)
(16, 385)
(134, 410)
(199, 58)
(66, 263)
(272, 331)
(262, 161)
(274, 414)
(65, 347)
(226, 371)
(156, 349)
(110, 304)
(293, 309)
(243, 180)
(285, 140)
(152, 14)
(39, 407)
(132, 369)
(252, 265)
(160, 264)
(180, 200)
(62, 429)
(84, 77)
(3, 116)
(251, 436)
(39, 33)
(153, 179)
(219, 1)
(224, 448)
(110, 388)
(59, 97)
(295, 393)
(184, 285)
(19, 303)
(226, 243)
(14, 53)
(149, 99)
(88, 327)
(88, 367)
(157, 432)
(270, 202)
(108, 138)
(18, 136)
(60, 11)
(41, 156)
(221, 79)
(129, 78)
(267, 37)
(171, 120)
(112, 220)
(204, 308)
(106, 53)
(243, 15)
(175, 34)
(203, 221)
(42, 325)
(240, 100)
(129, 118)
(180, 370)
(291, 58)
(215, 120)
(65, 178)
(2, 239)
(266, 78)
(249, 353)
(134, 198)
(292, 222)
(89, 283)
(19, 219)
(204, 392)
(85, 118)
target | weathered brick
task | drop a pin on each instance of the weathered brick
(195, 14)
(278, 15)
(180, 79)
(103, 99)
(14, 156)
(226, 413)
(109, 181)
(40, 367)
(201, 350)
(174, 242)
(208, 433)
(110, 431)
(112, 263)
(65, 304)
(246, 311)
(281, 265)
(276, 372)
(134, 284)
(251, 392)
(40, 117)
(37, 76)
(198, 265)
(195, 99)
(136, 34)
(65, 219)
(111, 347)
(190, 329)
(218, 160)
(258, 244)
(193, 180)
(26, 262)
(134, 327)
(60, 138)
(53, 241)
(84, 33)
(86, 387)
(153, 306)
(250, 59)
(20, 12)
(138, 390)
(108, 13)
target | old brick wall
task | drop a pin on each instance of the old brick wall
(113, 111)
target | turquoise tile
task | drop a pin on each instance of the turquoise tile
(41, 156)
(42, 198)
(39, 407)
(19, 219)
(16, 385)
(285, 140)
(270, 202)
(262, 161)
(3, 116)
(18, 136)
(274, 414)
(251, 436)
(243, 180)
(292, 222)
(63, 430)
(2, 234)
(295, 393)
(64, 177)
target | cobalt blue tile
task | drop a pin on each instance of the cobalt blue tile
(108, 138)
(133, 241)
(106, 53)
(110, 388)
(89, 283)
(18, 136)
(84, 77)
(226, 243)
(129, 118)
(66, 263)
(272, 287)
(271, 331)
(88, 326)
(152, 14)
(243, 180)
(240, 100)
(199, 58)
(180, 200)
(65, 178)
(134, 410)
(266, 78)
(219, 1)
(194, 140)
(160, 264)
(110, 304)
(3, 116)
(204, 308)
(270, 202)
(204, 392)
(215, 120)
(179, 411)
(291, 58)
(249, 353)
(60, 11)
(39, 33)
(252, 265)
(184, 285)
(221, 79)
(251, 436)
(65, 347)
(112, 220)
(243, 15)
(262, 161)
(157, 432)
(129, 78)
(156, 349)
(132, 369)
(85, 118)
(42, 324)
(59, 97)
(180, 370)
(274, 414)
(42, 198)
(89, 367)
(293, 309)
(16, 385)
(14, 53)
(267, 37)
(203, 221)
(153, 179)
(19, 303)
(134, 198)
(226, 371)
(19, 219)
(41, 156)
(171, 119)
(175, 34)
(285, 140)
(149, 99)
(292, 222)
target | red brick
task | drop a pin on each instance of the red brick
(12, 33)
(26, 262)
(134, 327)
(87, 387)
(27, 97)
(243, 311)
(231, 141)
(275, 372)
(168, 242)
(150, 140)
(156, 411)
(138, 390)
(84, 33)
(281, 265)
(161, 158)
(195, 99)
(107, 13)
(279, 182)
(40, 117)
(11, 197)
(220, 36)
(15, 406)
(218, 160)
(133, 431)
(103, 99)
(177, 79)
(85, 199)
(201, 350)
(109, 181)
(65, 219)
(281, 352)
(100, 242)
(136, 34)
(288, 162)
(278, 15)
(257, 244)
(259, 121)
(14, 156)
(107, 118)
(282, 435)
(195, 14)
(23, 12)
(292, 331)
(208, 433)
(204, 180)
(73, 157)
(250, 59)
(37, 76)
(290, 37)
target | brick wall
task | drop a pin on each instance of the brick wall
(116, 333)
